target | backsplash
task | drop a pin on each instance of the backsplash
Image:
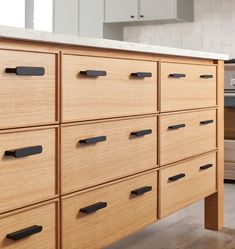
(212, 30)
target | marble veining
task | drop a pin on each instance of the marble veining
(48, 37)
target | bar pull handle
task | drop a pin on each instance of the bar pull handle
(141, 191)
(177, 75)
(176, 177)
(142, 74)
(24, 232)
(205, 122)
(23, 152)
(207, 166)
(93, 140)
(93, 208)
(206, 76)
(141, 133)
(93, 73)
(26, 71)
(175, 127)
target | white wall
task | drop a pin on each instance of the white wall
(212, 30)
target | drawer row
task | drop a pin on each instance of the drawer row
(95, 153)
(95, 88)
(88, 217)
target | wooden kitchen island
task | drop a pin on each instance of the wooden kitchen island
(102, 138)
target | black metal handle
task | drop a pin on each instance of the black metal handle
(207, 166)
(93, 73)
(24, 232)
(206, 76)
(141, 16)
(26, 71)
(132, 16)
(175, 127)
(141, 133)
(93, 208)
(93, 140)
(141, 191)
(27, 151)
(142, 74)
(205, 122)
(176, 177)
(177, 75)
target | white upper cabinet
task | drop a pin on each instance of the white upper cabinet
(148, 10)
(121, 10)
(156, 9)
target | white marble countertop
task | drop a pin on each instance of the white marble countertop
(48, 37)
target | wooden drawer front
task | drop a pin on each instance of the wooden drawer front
(116, 94)
(184, 183)
(194, 90)
(39, 221)
(121, 154)
(27, 179)
(125, 213)
(183, 135)
(27, 100)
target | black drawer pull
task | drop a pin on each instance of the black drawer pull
(93, 208)
(176, 177)
(206, 76)
(205, 122)
(177, 75)
(93, 140)
(26, 71)
(24, 232)
(27, 151)
(142, 75)
(141, 133)
(93, 73)
(141, 191)
(175, 127)
(207, 166)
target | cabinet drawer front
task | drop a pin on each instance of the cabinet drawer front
(100, 152)
(28, 167)
(30, 228)
(113, 93)
(27, 88)
(184, 183)
(119, 212)
(186, 134)
(187, 86)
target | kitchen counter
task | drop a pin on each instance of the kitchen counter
(48, 37)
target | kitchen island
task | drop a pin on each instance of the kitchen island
(101, 138)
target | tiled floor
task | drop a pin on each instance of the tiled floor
(184, 230)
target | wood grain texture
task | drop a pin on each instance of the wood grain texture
(120, 155)
(229, 170)
(44, 215)
(191, 140)
(123, 215)
(214, 204)
(229, 121)
(27, 100)
(196, 184)
(30, 179)
(117, 94)
(189, 92)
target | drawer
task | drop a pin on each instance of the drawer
(187, 86)
(86, 97)
(186, 134)
(28, 167)
(28, 96)
(34, 227)
(96, 153)
(98, 217)
(185, 183)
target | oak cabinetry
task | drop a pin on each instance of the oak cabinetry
(98, 143)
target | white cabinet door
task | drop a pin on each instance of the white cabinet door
(157, 9)
(121, 10)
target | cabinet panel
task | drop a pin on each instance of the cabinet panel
(121, 11)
